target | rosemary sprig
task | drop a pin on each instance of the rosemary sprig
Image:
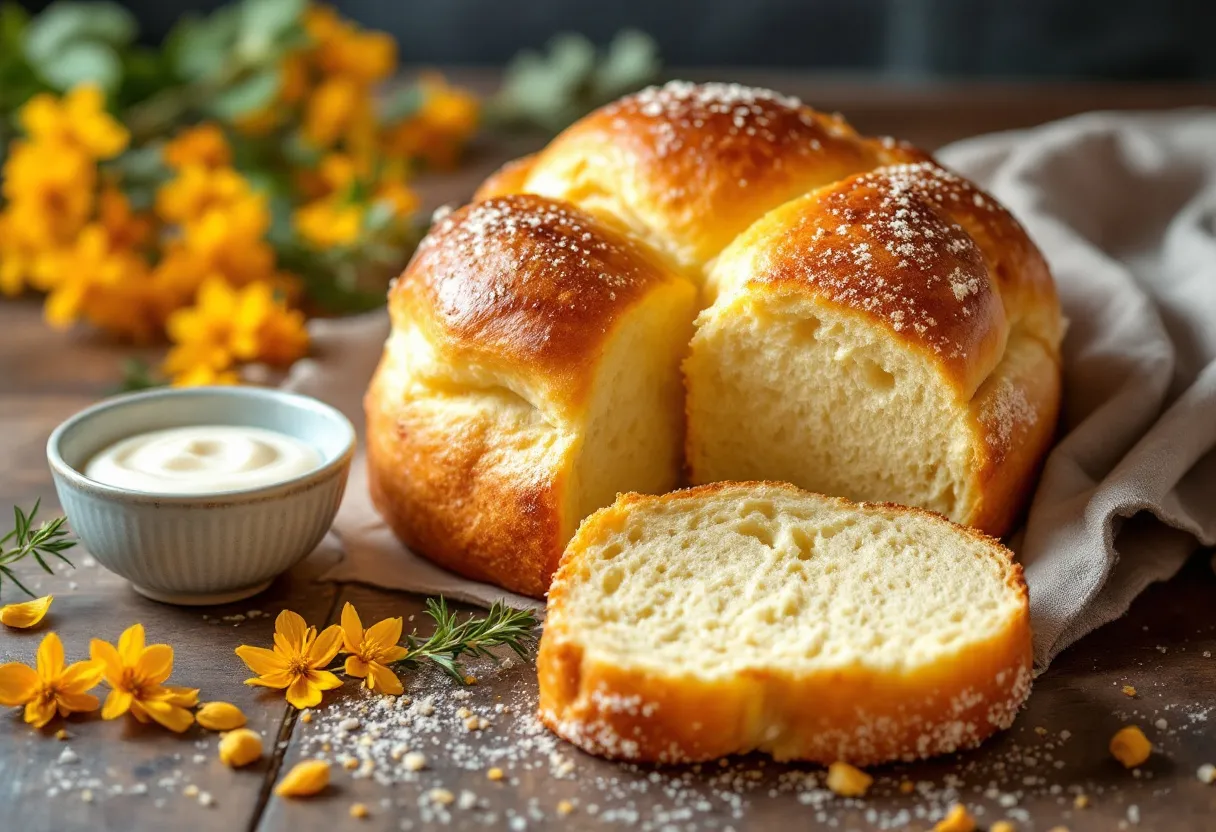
(48, 540)
(453, 638)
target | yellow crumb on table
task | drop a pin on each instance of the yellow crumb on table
(358, 810)
(565, 807)
(848, 781)
(1002, 826)
(350, 763)
(956, 820)
(62, 734)
(240, 747)
(1128, 690)
(906, 787)
(1081, 801)
(494, 774)
(306, 716)
(1130, 747)
(470, 680)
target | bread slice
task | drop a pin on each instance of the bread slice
(740, 617)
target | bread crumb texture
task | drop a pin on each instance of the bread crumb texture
(956, 820)
(738, 617)
(848, 781)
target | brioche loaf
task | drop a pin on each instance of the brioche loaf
(870, 326)
(737, 617)
(533, 371)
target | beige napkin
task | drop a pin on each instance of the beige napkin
(1124, 207)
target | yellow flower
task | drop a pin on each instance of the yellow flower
(26, 614)
(297, 662)
(126, 228)
(330, 222)
(202, 375)
(399, 196)
(293, 79)
(371, 650)
(92, 279)
(79, 120)
(51, 688)
(341, 48)
(227, 325)
(197, 189)
(305, 778)
(437, 132)
(136, 675)
(50, 193)
(339, 109)
(204, 146)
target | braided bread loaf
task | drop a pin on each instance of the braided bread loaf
(871, 326)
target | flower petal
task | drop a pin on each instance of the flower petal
(131, 644)
(352, 628)
(260, 660)
(291, 625)
(80, 676)
(26, 614)
(303, 694)
(50, 657)
(324, 680)
(18, 682)
(156, 663)
(185, 697)
(118, 702)
(384, 680)
(355, 666)
(76, 702)
(278, 681)
(393, 654)
(385, 633)
(137, 711)
(39, 712)
(173, 717)
(322, 651)
(107, 656)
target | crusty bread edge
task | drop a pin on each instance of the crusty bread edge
(858, 715)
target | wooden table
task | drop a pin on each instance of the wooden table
(129, 777)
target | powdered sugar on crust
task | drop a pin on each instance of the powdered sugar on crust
(1003, 411)
(526, 275)
(879, 242)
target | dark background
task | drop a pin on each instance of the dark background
(1068, 39)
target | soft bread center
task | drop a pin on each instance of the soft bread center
(756, 580)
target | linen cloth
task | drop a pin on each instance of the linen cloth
(1124, 208)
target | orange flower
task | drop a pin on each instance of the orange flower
(437, 132)
(339, 109)
(297, 662)
(51, 688)
(330, 222)
(136, 675)
(204, 145)
(372, 650)
(77, 121)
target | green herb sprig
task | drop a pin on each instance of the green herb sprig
(50, 539)
(502, 626)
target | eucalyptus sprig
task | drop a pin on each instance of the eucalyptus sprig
(453, 638)
(50, 539)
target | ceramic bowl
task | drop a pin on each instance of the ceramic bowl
(201, 548)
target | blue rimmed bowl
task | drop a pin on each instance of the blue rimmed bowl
(202, 548)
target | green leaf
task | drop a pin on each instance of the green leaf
(63, 24)
(13, 20)
(137, 374)
(199, 48)
(247, 96)
(263, 25)
(632, 62)
(81, 62)
(402, 103)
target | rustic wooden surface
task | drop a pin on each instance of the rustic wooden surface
(132, 777)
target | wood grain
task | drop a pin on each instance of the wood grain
(1163, 647)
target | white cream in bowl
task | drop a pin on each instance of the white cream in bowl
(202, 459)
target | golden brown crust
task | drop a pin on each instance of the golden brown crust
(439, 484)
(859, 715)
(499, 323)
(690, 166)
(524, 285)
